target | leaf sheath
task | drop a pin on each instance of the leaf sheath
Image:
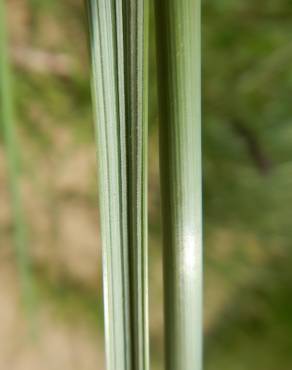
(118, 42)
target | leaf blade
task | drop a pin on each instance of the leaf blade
(118, 49)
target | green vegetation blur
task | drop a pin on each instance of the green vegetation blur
(247, 178)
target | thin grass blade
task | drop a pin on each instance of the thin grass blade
(12, 151)
(178, 50)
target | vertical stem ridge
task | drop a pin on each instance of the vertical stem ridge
(118, 38)
(178, 52)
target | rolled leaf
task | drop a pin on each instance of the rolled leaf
(118, 43)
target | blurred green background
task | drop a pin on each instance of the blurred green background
(247, 148)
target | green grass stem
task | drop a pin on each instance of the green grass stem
(118, 43)
(179, 73)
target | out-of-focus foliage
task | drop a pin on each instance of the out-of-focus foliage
(247, 136)
(247, 131)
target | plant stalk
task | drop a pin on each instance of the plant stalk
(179, 74)
(118, 44)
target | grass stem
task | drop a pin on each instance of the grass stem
(179, 71)
(118, 42)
